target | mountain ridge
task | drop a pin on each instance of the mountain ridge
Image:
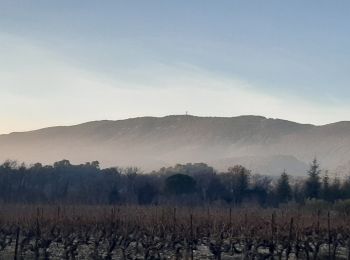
(168, 116)
(152, 142)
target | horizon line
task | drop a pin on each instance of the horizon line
(170, 115)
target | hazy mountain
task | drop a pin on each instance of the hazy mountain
(265, 145)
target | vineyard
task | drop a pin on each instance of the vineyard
(134, 232)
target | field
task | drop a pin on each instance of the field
(134, 232)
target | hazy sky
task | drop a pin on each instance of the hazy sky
(66, 62)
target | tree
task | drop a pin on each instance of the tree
(237, 182)
(200, 172)
(62, 164)
(180, 184)
(326, 191)
(335, 190)
(114, 196)
(131, 174)
(283, 189)
(260, 187)
(313, 185)
(216, 190)
(345, 188)
(146, 194)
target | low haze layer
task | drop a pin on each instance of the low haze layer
(264, 145)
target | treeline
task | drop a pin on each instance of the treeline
(189, 184)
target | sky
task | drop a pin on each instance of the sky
(65, 62)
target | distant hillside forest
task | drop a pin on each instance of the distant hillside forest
(189, 184)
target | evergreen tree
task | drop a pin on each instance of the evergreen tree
(313, 185)
(326, 191)
(283, 190)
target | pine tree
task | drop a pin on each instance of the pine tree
(313, 185)
(283, 190)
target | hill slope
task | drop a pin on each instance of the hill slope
(265, 145)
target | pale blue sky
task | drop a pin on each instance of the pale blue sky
(65, 62)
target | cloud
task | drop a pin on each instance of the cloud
(40, 88)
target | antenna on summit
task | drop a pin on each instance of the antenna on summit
(186, 113)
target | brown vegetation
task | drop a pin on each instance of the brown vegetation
(134, 232)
